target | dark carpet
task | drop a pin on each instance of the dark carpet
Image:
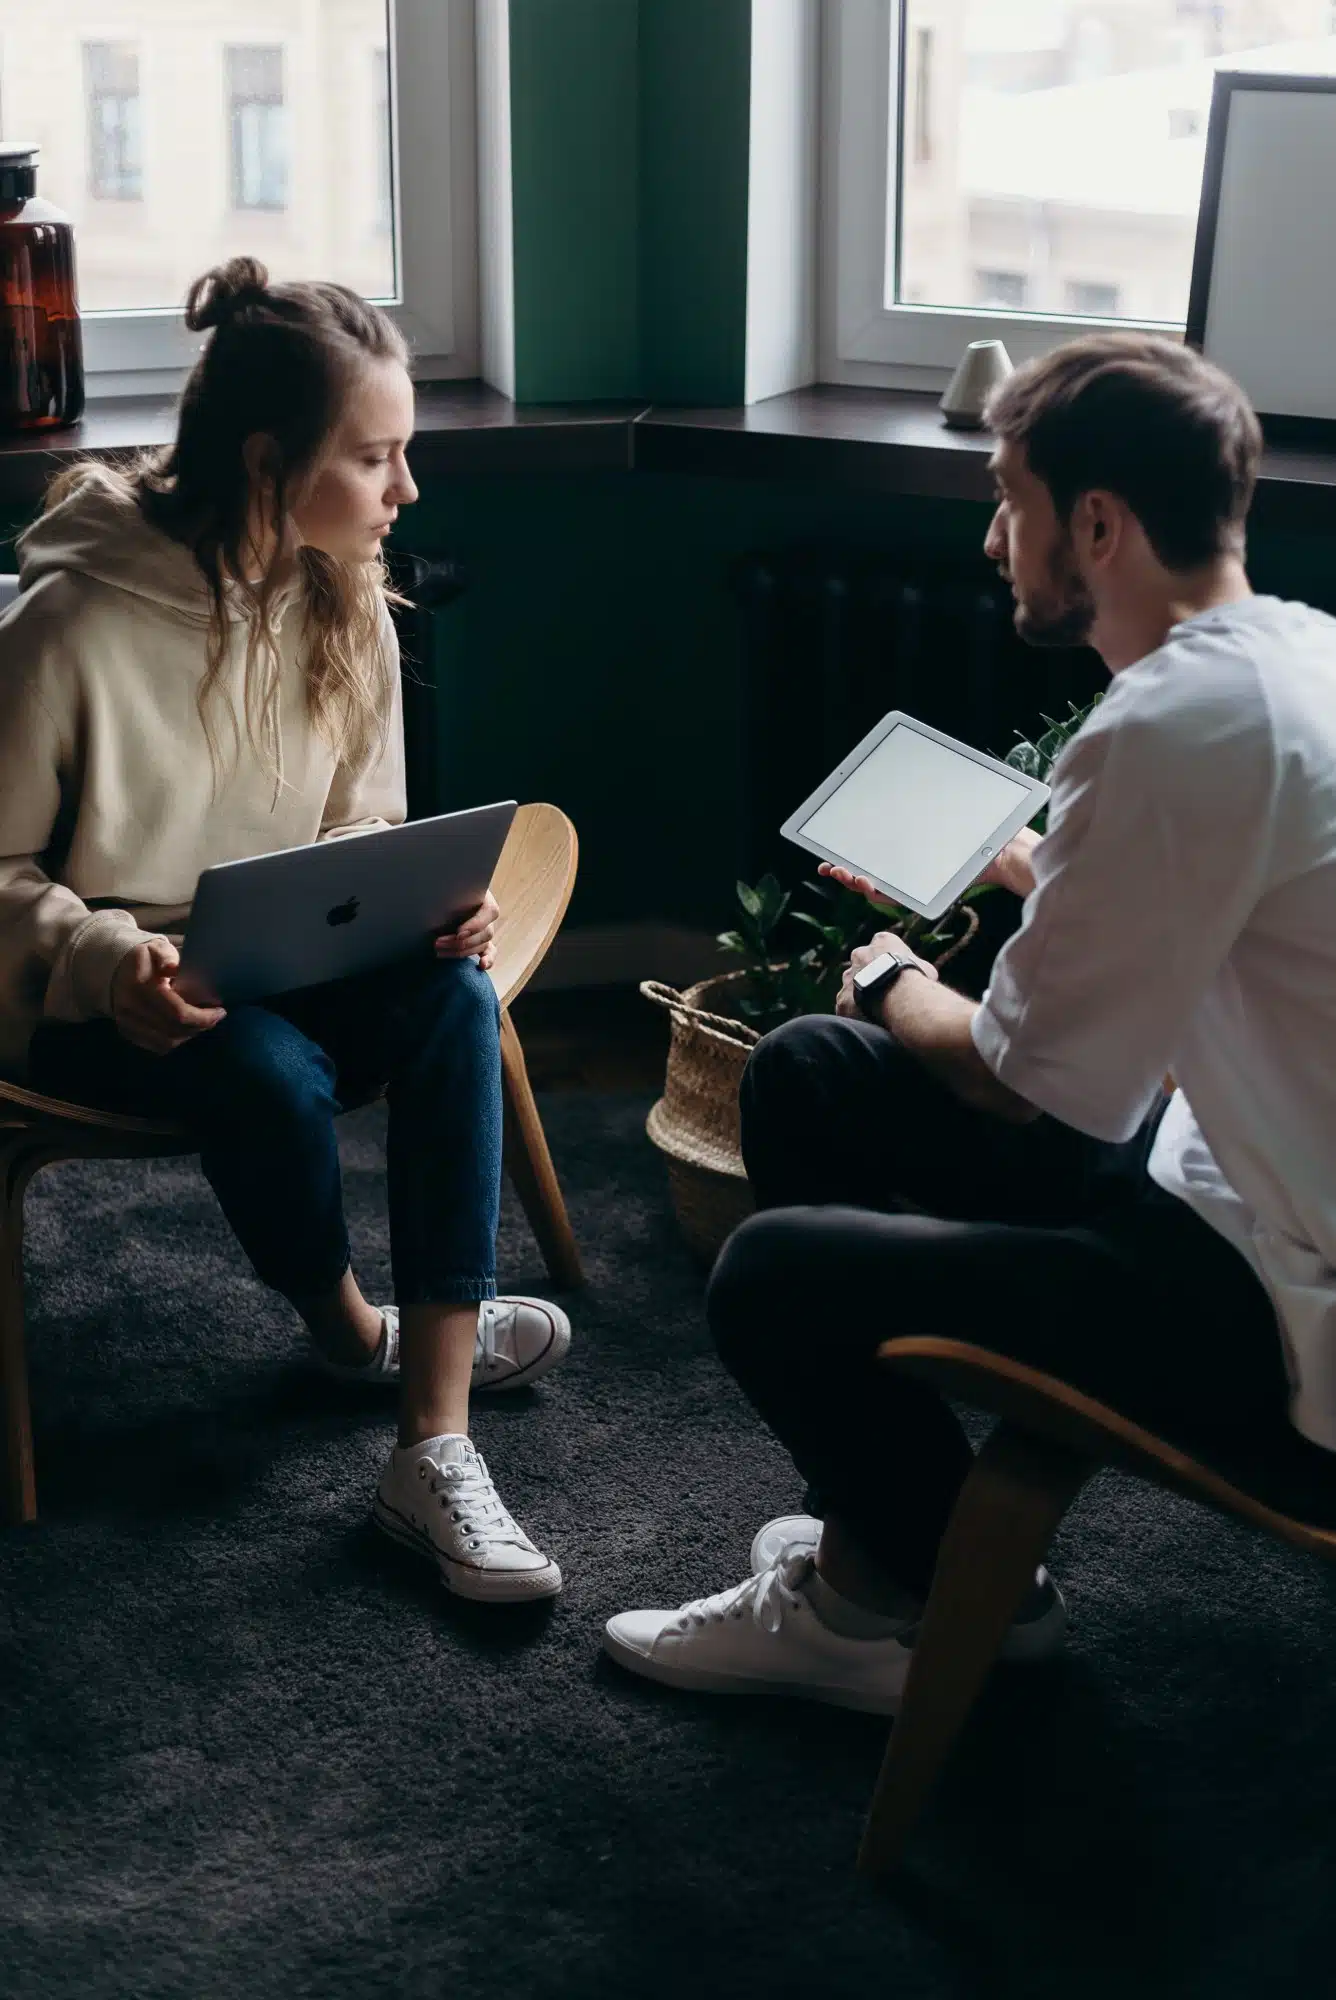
(250, 1748)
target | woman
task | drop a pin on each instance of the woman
(201, 667)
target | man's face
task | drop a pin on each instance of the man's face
(1036, 555)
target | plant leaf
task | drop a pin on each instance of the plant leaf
(749, 900)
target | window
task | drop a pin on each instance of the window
(1006, 289)
(257, 123)
(111, 94)
(1089, 299)
(1038, 160)
(195, 132)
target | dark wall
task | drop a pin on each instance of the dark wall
(596, 657)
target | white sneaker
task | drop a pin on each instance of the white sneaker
(518, 1340)
(761, 1637)
(1036, 1632)
(437, 1497)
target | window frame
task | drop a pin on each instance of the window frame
(863, 340)
(434, 186)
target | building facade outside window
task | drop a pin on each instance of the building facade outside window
(382, 142)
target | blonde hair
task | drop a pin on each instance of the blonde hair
(279, 362)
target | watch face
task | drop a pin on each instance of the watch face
(879, 969)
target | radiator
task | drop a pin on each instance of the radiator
(831, 642)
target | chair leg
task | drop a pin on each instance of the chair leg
(20, 1488)
(530, 1164)
(999, 1533)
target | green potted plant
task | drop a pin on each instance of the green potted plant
(790, 960)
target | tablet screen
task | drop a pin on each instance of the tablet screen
(913, 813)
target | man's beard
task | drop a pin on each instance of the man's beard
(1065, 614)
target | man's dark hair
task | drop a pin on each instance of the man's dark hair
(1142, 417)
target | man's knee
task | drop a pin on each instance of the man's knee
(754, 1294)
(790, 1062)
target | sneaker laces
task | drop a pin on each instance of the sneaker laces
(767, 1596)
(494, 1316)
(464, 1488)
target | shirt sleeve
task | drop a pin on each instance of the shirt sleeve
(372, 796)
(1157, 851)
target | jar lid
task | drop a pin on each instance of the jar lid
(18, 169)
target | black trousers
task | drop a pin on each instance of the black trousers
(890, 1207)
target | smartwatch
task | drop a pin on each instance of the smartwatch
(876, 979)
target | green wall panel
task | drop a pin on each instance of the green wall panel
(575, 167)
(695, 92)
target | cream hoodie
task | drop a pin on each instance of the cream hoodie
(107, 812)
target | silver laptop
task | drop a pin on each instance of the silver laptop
(309, 914)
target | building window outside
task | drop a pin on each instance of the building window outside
(111, 94)
(1093, 300)
(1002, 290)
(257, 120)
(922, 96)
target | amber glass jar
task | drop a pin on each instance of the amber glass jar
(41, 351)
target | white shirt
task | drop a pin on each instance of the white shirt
(1184, 920)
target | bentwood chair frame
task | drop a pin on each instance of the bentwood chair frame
(1050, 1439)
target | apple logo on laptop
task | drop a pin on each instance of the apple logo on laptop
(342, 913)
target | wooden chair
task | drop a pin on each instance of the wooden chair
(1049, 1441)
(533, 884)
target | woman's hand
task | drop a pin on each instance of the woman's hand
(475, 936)
(145, 1006)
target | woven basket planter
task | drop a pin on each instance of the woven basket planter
(695, 1122)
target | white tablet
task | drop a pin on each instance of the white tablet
(917, 812)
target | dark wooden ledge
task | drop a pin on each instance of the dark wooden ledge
(874, 440)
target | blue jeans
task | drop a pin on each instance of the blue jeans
(261, 1092)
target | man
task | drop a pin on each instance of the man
(1012, 1170)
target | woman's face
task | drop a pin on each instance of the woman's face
(363, 478)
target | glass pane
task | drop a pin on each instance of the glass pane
(179, 132)
(1051, 150)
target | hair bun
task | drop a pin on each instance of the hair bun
(226, 291)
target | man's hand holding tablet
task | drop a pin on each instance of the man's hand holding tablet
(1012, 868)
(913, 817)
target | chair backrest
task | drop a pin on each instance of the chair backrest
(532, 883)
(1053, 1409)
(9, 590)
